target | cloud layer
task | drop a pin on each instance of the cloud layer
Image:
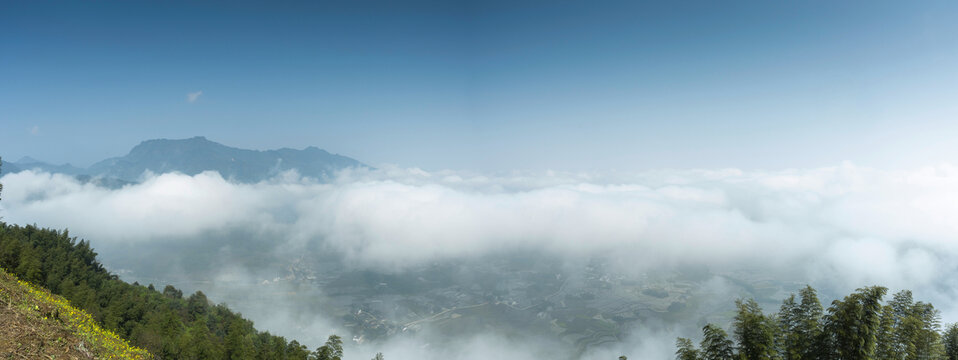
(844, 226)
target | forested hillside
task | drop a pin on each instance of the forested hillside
(858, 327)
(164, 322)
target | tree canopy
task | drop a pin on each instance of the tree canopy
(857, 327)
(165, 323)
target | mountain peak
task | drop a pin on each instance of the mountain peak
(313, 149)
(197, 154)
(195, 139)
(28, 160)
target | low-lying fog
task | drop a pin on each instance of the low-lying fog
(448, 264)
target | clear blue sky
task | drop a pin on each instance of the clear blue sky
(486, 85)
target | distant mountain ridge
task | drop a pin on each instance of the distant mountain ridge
(27, 162)
(197, 154)
(8, 168)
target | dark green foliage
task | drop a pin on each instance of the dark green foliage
(809, 325)
(166, 324)
(950, 340)
(857, 327)
(754, 332)
(686, 350)
(716, 344)
(800, 325)
(885, 348)
(914, 328)
(332, 350)
(789, 317)
(853, 323)
(172, 293)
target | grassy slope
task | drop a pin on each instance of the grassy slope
(35, 324)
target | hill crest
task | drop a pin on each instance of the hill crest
(194, 155)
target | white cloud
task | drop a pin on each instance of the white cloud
(847, 226)
(193, 96)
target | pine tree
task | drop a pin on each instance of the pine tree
(379, 356)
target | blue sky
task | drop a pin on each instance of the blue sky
(489, 86)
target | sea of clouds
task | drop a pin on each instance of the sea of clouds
(840, 227)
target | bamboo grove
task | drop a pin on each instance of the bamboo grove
(858, 327)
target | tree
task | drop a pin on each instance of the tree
(379, 356)
(789, 317)
(800, 324)
(754, 332)
(809, 324)
(915, 329)
(172, 292)
(197, 343)
(239, 346)
(164, 323)
(853, 323)
(857, 327)
(1, 174)
(951, 342)
(928, 343)
(686, 350)
(904, 327)
(885, 347)
(197, 305)
(332, 350)
(716, 344)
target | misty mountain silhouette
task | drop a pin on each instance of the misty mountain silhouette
(29, 163)
(8, 167)
(195, 155)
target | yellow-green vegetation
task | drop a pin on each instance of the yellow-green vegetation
(164, 323)
(37, 324)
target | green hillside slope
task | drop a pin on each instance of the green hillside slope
(165, 323)
(35, 324)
